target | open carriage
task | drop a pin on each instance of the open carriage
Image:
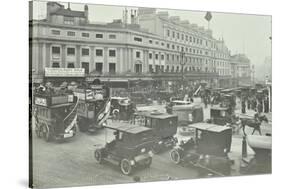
(55, 115)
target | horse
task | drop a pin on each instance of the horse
(253, 123)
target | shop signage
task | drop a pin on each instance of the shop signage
(64, 72)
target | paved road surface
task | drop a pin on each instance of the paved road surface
(72, 163)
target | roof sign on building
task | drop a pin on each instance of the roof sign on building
(64, 72)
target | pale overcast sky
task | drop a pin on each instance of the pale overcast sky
(242, 33)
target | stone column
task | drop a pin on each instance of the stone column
(105, 58)
(118, 62)
(92, 64)
(78, 54)
(63, 56)
(40, 58)
(47, 57)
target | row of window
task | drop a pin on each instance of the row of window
(112, 53)
(85, 65)
(138, 67)
(84, 34)
(84, 51)
(187, 38)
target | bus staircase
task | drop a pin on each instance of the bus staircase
(103, 114)
(70, 120)
(196, 92)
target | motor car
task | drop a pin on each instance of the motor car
(122, 108)
(140, 97)
(207, 150)
(221, 116)
(163, 125)
(130, 149)
(189, 113)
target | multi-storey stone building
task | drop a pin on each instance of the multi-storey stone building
(241, 70)
(153, 46)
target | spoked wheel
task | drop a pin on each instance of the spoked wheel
(148, 162)
(98, 156)
(46, 133)
(126, 167)
(175, 156)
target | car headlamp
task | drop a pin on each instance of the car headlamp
(143, 150)
(132, 162)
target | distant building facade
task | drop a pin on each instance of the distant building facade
(241, 70)
(153, 46)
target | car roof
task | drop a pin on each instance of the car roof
(209, 127)
(119, 98)
(219, 108)
(157, 115)
(186, 107)
(127, 128)
(181, 101)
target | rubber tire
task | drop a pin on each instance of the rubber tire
(175, 156)
(98, 156)
(126, 162)
(155, 149)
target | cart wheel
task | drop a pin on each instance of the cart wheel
(126, 167)
(175, 156)
(148, 162)
(46, 133)
(98, 156)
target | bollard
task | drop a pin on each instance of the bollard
(244, 147)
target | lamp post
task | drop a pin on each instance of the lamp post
(182, 64)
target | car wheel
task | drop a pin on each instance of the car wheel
(155, 149)
(46, 133)
(98, 156)
(148, 162)
(126, 167)
(175, 156)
